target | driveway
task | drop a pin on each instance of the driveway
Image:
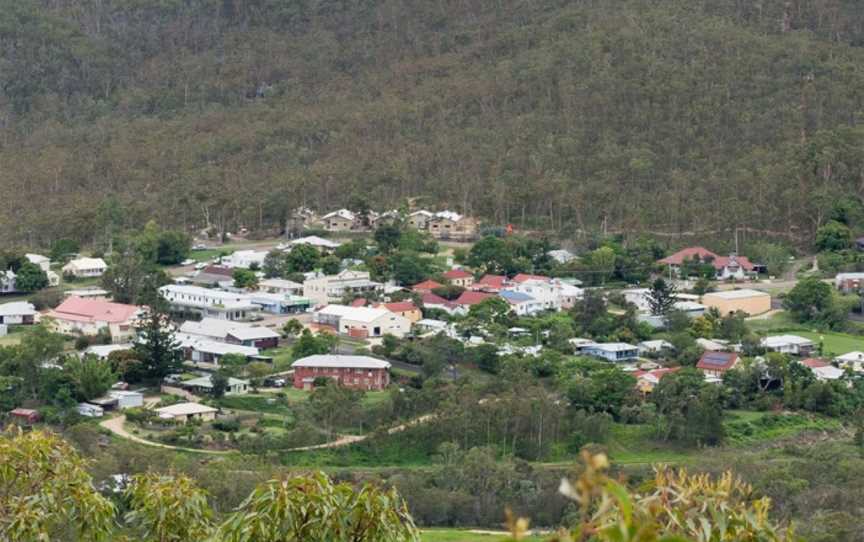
(115, 425)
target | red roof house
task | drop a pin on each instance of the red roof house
(647, 380)
(469, 298)
(88, 316)
(24, 415)
(459, 277)
(490, 283)
(732, 266)
(426, 286)
(717, 363)
(359, 302)
(433, 301)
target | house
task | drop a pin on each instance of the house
(725, 267)
(7, 282)
(852, 360)
(823, 370)
(90, 411)
(788, 344)
(209, 303)
(568, 294)
(245, 259)
(341, 220)
(716, 363)
(655, 347)
(102, 351)
(127, 399)
(612, 351)
(26, 416)
(750, 302)
(232, 332)
(85, 268)
(403, 308)
(426, 286)
(18, 313)
(279, 303)
(849, 282)
(213, 276)
(452, 226)
(44, 264)
(362, 322)
(280, 286)
(385, 218)
(324, 245)
(432, 301)
(561, 256)
(420, 219)
(184, 412)
(459, 277)
(521, 303)
(524, 277)
(333, 288)
(490, 283)
(204, 384)
(203, 351)
(468, 298)
(646, 381)
(88, 293)
(428, 325)
(357, 372)
(81, 316)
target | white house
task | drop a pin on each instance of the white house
(245, 259)
(788, 344)
(362, 321)
(204, 384)
(7, 282)
(127, 399)
(853, 360)
(332, 288)
(183, 412)
(612, 351)
(209, 303)
(200, 350)
(90, 411)
(18, 313)
(232, 332)
(522, 303)
(561, 255)
(318, 242)
(44, 264)
(823, 370)
(85, 267)
(280, 286)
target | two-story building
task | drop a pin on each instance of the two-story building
(333, 288)
(356, 372)
(209, 303)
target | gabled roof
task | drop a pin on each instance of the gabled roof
(185, 409)
(457, 274)
(334, 361)
(315, 241)
(427, 285)
(814, 363)
(432, 299)
(688, 254)
(17, 308)
(776, 341)
(726, 261)
(524, 277)
(341, 213)
(472, 298)
(93, 310)
(717, 361)
(359, 314)
(491, 282)
(400, 306)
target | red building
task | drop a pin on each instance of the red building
(24, 416)
(357, 372)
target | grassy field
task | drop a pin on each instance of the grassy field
(456, 535)
(835, 344)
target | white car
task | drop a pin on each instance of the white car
(200, 265)
(187, 262)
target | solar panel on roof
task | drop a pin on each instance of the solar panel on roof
(716, 359)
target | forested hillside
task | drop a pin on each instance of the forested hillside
(640, 115)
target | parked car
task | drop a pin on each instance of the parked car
(275, 382)
(172, 379)
(189, 261)
(201, 265)
(199, 246)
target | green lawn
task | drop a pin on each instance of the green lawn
(209, 254)
(456, 535)
(835, 344)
